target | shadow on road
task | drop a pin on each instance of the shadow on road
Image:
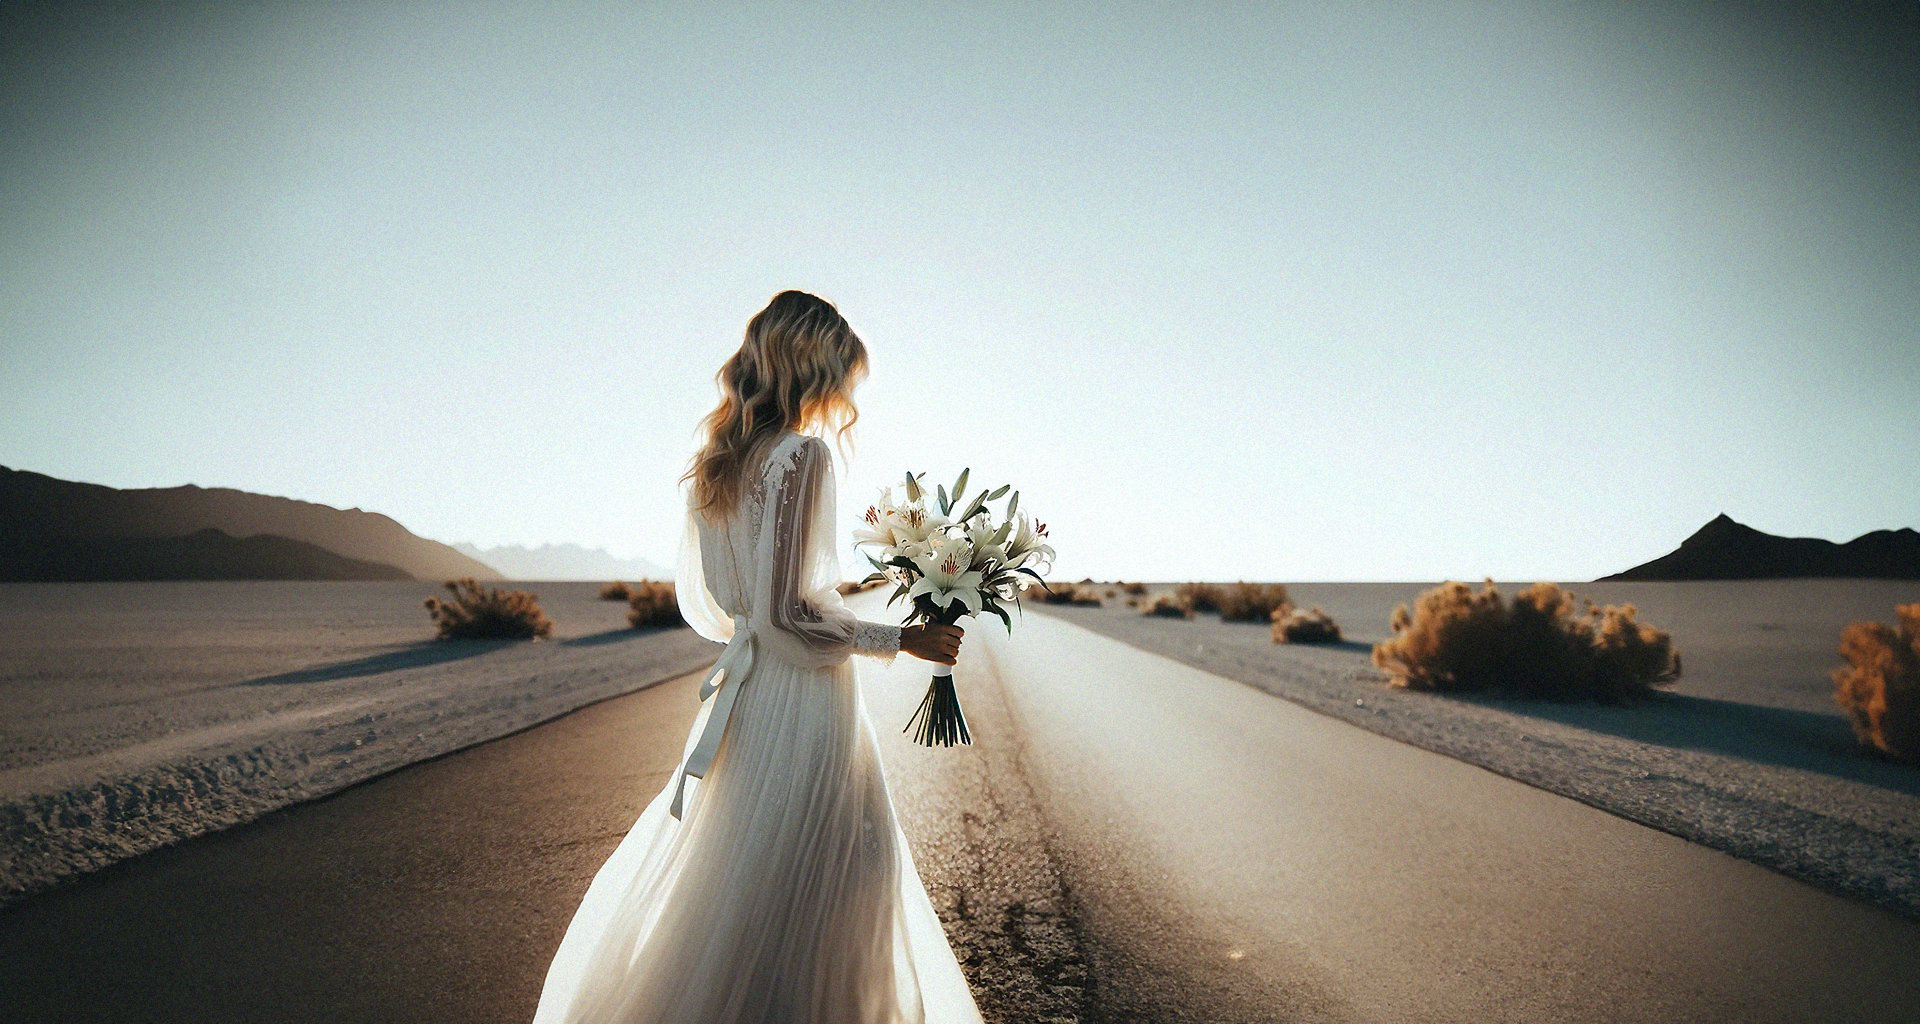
(615, 636)
(1355, 646)
(1790, 738)
(420, 655)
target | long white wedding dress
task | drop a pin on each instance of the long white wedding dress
(780, 890)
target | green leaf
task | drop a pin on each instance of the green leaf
(1000, 535)
(878, 566)
(997, 492)
(1002, 612)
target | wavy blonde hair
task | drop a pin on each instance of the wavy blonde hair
(796, 370)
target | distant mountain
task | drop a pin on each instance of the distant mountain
(1727, 550)
(204, 555)
(563, 562)
(39, 511)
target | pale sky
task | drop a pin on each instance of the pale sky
(1295, 292)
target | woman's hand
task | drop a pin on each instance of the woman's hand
(932, 642)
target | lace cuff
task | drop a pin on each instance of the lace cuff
(876, 640)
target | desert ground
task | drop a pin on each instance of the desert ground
(1160, 820)
(137, 714)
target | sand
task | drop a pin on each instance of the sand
(1747, 754)
(134, 715)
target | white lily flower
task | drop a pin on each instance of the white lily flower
(877, 526)
(1027, 547)
(913, 524)
(899, 530)
(981, 534)
(946, 574)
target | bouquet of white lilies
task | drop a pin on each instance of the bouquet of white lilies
(948, 566)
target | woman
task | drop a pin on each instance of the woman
(769, 881)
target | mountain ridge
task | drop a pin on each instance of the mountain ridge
(37, 509)
(1726, 549)
(208, 554)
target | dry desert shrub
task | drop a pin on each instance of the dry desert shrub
(1112, 592)
(1055, 593)
(1166, 606)
(1629, 657)
(1458, 640)
(1065, 593)
(487, 613)
(1293, 626)
(615, 591)
(1880, 685)
(1134, 589)
(653, 603)
(1199, 597)
(1252, 602)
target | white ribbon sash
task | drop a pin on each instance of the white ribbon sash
(731, 669)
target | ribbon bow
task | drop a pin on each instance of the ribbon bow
(731, 669)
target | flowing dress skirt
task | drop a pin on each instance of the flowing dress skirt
(787, 894)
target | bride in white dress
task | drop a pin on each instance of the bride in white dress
(769, 882)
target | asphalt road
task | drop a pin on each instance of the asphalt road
(438, 893)
(1127, 840)
(1235, 857)
(435, 894)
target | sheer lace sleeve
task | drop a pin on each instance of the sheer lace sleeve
(798, 568)
(697, 604)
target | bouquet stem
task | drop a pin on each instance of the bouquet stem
(938, 717)
(938, 721)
